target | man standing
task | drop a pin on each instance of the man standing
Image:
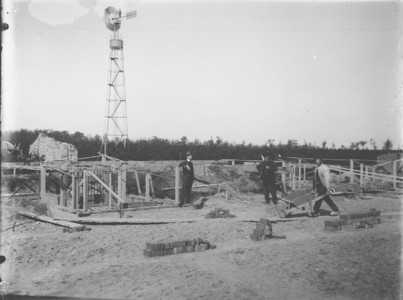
(267, 169)
(321, 182)
(187, 179)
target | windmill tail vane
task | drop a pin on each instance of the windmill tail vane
(129, 15)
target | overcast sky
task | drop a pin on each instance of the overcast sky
(242, 70)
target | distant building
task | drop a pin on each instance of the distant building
(7, 146)
(53, 150)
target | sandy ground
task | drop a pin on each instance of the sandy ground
(108, 261)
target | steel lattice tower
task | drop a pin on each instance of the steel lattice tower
(115, 126)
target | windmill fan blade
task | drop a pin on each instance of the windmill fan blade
(112, 18)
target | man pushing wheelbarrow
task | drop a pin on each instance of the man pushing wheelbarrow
(321, 192)
(321, 183)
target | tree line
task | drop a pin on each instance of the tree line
(156, 148)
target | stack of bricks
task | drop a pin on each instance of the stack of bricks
(263, 231)
(218, 212)
(376, 185)
(171, 248)
(354, 221)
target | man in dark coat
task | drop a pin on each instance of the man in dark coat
(187, 179)
(267, 169)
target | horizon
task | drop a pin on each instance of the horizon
(367, 146)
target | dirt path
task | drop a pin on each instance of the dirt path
(107, 262)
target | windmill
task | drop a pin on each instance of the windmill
(115, 124)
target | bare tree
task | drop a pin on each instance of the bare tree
(373, 143)
(388, 144)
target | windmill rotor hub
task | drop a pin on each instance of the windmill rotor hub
(112, 18)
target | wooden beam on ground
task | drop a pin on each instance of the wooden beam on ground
(161, 221)
(63, 223)
(136, 197)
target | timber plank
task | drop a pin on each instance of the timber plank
(159, 221)
(63, 223)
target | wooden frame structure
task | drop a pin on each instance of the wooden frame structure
(104, 182)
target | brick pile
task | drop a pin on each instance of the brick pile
(264, 231)
(354, 220)
(177, 247)
(218, 212)
(376, 185)
(53, 150)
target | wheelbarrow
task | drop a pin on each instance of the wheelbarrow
(286, 207)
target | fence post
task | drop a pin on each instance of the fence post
(85, 190)
(63, 194)
(394, 173)
(120, 194)
(351, 171)
(361, 174)
(152, 187)
(283, 177)
(147, 186)
(177, 185)
(74, 190)
(124, 176)
(110, 185)
(42, 183)
(299, 173)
